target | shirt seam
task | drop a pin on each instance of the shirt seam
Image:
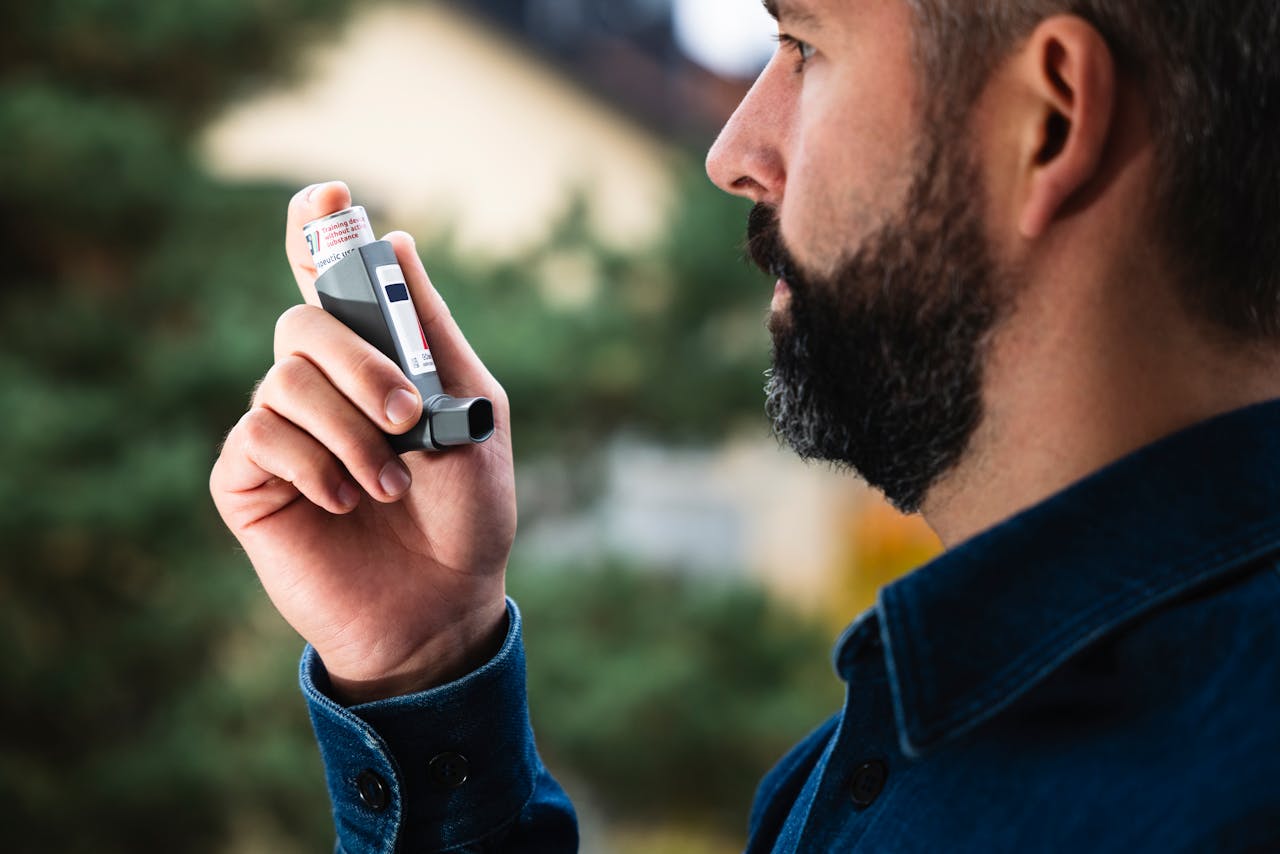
(1067, 640)
(502, 826)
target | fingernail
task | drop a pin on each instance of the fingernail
(395, 478)
(348, 495)
(401, 406)
(312, 191)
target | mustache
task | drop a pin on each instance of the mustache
(765, 247)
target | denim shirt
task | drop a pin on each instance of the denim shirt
(1098, 673)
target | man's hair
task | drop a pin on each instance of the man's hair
(1210, 73)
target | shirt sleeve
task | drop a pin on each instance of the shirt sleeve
(450, 769)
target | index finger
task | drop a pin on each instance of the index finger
(307, 204)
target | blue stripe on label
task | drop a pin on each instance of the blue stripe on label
(397, 293)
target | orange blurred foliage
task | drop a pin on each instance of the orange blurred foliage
(881, 546)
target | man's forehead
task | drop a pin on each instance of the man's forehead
(793, 11)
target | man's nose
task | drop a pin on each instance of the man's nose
(748, 158)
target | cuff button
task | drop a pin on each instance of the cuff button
(373, 791)
(449, 770)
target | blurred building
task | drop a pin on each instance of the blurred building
(815, 537)
(633, 54)
(746, 508)
(484, 118)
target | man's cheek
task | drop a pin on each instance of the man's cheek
(811, 233)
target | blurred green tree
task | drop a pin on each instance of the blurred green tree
(139, 714)
(691, 692)
(589, 341)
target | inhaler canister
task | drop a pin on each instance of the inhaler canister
(360, 282)
(336, 236)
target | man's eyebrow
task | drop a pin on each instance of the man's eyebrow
(791, 11)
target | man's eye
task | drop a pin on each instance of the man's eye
(803, 50)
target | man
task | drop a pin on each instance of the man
(1028, 260)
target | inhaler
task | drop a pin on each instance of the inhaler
(361, 283)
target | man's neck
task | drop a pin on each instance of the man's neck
(1078, 378)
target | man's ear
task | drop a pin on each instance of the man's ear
(1069, 72)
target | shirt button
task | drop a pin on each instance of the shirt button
(868, 782)
(373, 791)
(449, 770)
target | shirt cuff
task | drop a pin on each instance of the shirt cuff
(433, 770)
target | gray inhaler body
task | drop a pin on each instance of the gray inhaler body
(366, 290)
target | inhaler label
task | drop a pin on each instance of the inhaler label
(413, 343)
(334, 237)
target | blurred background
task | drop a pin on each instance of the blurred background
(683, 579)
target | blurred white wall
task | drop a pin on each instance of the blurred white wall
(747, 508)
(440, 122)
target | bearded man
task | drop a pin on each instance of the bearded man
(1028, 283)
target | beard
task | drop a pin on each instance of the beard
(878, 366)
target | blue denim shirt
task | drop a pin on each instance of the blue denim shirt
(1099, 673)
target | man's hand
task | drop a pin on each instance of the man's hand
(392, 568)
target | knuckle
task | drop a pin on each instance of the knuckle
(318, 466)
(227, 440)
(291, 376)
(363, 450)
(371, 371)
(219, 467)
(290, 322)
(256, 428)
(256, 395)
(254, 434)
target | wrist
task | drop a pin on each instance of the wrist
(447, 656)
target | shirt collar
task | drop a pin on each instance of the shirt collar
(969, 633)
